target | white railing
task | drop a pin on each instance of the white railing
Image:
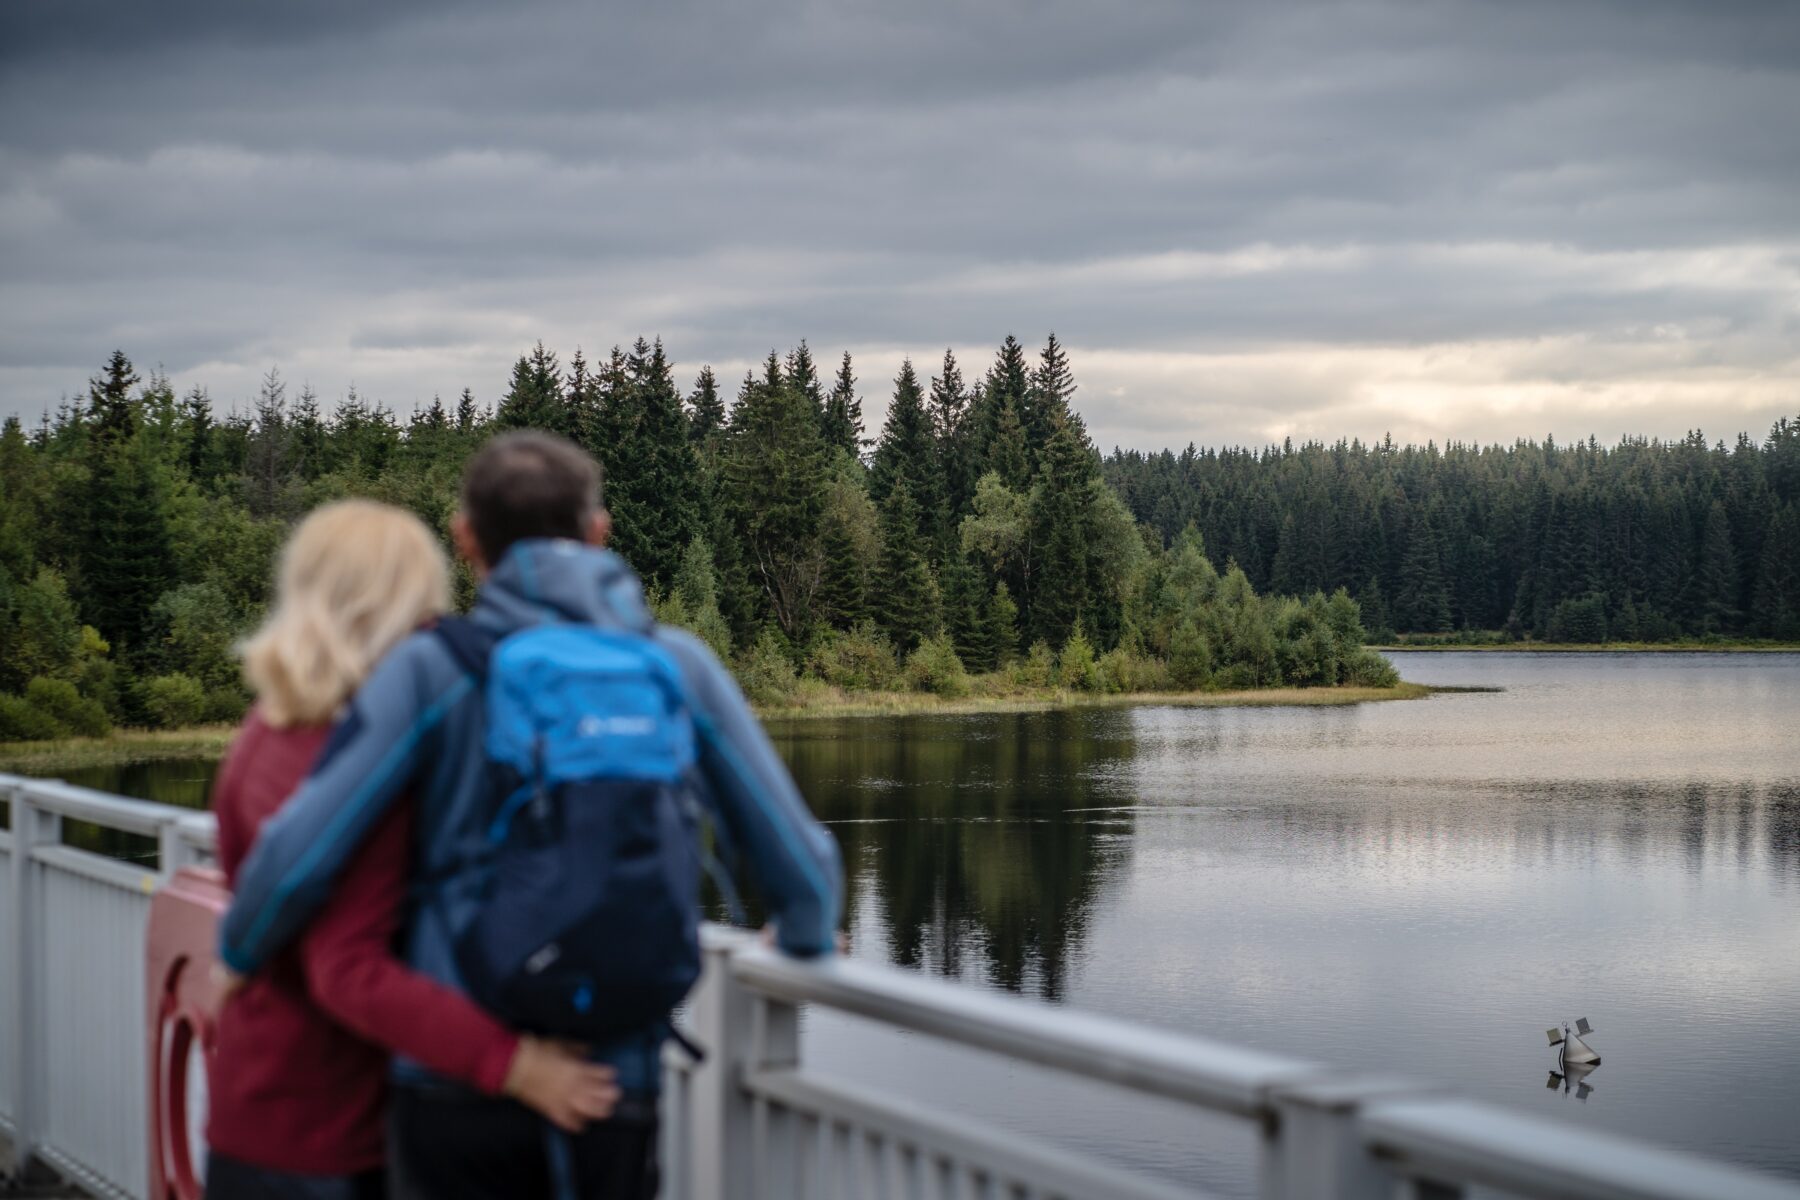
(73, 1091)
(753, 1120)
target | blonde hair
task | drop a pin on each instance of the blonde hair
(356, 577)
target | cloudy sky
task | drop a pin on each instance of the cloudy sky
(1247, 221)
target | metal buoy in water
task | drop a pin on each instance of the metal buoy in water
(1573, 1052)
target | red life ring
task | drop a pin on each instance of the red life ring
(184, 919)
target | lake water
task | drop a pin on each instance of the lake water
(1418, 888)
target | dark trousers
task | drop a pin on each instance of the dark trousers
(229, 1179)
(454, 1146)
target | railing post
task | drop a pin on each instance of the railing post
(775, 1164)
(1314, 1149)
(31, 827)
(717, 1133)
(175, 846)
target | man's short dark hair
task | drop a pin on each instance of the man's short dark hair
(529, 484)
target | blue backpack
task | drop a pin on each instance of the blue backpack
(587, 924)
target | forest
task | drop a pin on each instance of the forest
(1645, 541)
(977, 543)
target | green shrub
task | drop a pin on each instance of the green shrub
(202, 625)
(1236, 677)
(1582, 620)
(1190, 657)
(710, 627)
(1369, 669)
(58, 699)
(1075, 666)
(1123, 671)
(40, 633)
(174, 701)
(861, 660)
(226, 705)
(1036, 669)
(1306, 658)
(703, 620)
(22, 721)
(96, 676)
(934, 667)
(765, 671)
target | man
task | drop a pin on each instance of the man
(533, 528)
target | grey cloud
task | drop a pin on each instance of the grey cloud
(408, 194)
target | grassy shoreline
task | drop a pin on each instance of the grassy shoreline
(120, 748)
(879, 704)
(1687, 647)
(127, 747)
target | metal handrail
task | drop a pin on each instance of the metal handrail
(1491, 1146)
(99, 808)
(1225, 1078)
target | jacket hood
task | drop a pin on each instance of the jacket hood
(541, 580)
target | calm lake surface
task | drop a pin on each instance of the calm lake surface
(1417, 888)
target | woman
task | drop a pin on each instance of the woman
(298, 1083)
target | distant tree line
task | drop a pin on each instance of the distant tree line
(1643, 541)
(976, 542)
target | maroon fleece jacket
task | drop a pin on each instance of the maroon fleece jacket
(299, 1080)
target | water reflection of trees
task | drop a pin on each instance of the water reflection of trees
(976, 840)
(186, 782)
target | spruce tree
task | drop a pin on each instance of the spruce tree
(843, 600)
(949, 414)
(466, 417)
(1421, 605)
(775, 478)
(802, 374)
(1775, 604)
(1007, 385)
(307, 436)
(534, 397)
(1373, 606)
(430, 419)
(706, 413)
(1052, 387)
(19, 498)
(1285, 577)
(906, 599)
(1009, 453)
(612, 438)
(110, 415)
(843, 428)
(654, 486)
(696, 587)
(270, 454)
(1001, 622)
(949, 399)
(1715, 576)
(1010, 376)
(965, 613)
(126, 563)
(580, 401)
(196, 409)
(1060, 533)
(907, 456)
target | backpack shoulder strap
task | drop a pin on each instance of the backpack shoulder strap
(469, 644)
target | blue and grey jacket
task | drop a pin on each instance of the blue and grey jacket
(417, 724)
